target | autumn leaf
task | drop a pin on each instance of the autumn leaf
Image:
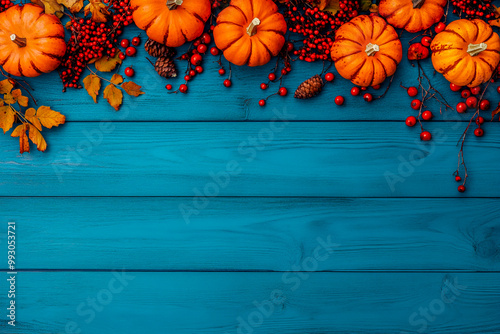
(114, 96)
(495, 112)
(7, 118)
(333, 7)
(98, 10)
(494, 23)
(20, 132)
(18, 96)
(92, 84)
(365, 5)
(50, 6)
(30, 115)
(117, 79)
(131, 88)
(108, 64)
(6, 86)
(74, 6)
(37, 138)
(49, 118)
(9, 99)
(373, 8)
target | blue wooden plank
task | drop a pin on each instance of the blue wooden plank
(273, 234)
(361, 159)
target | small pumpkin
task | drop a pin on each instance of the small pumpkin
(250, 32)
(31, 42)
(466, 52)
(366, 50)
(171, 22)
(412, 15)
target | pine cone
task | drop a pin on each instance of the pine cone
(309, 88)
(156, 49)
(166, 67)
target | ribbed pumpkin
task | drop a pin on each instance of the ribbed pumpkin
(31, 42)
(466, 52)
(171, 22)
(250, 32)
(366, 50)
(412, 15)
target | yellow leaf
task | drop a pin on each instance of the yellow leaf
(37, 138)
(30, 115)
(108, 64)
(332, 7)
(98, 10)
(6, 86)
(92, 84)
(50, 6)
(9, 99)
(74, 6)
(20, 132)
(131, 88)
(7, 118)
(114, 96)
(117, 79)
(18, 96)
(49, 117)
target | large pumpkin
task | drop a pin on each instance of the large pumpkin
(466, 52)
(250, 32)
(412, 15)
(366, 50)
(171, 22)
(31, 42)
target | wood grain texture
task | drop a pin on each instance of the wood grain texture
(361, 159)
(256, 234)
(223, 302)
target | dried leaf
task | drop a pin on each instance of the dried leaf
(495, 112)
(74, 6)
(333, 7)
(373, 8)
(31, 117)
(7, 118)
(6, 86)
(50, 6)
(49, 117)
(114, 96)
(365, 5)
(20, 132)
(494, 23)
(9, 99)
(107, 64)
(37, 138)
(18, 96)
(98, 10)
(92, 84)
(117, 79)
(131, 88)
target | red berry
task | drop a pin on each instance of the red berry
(202, 48)
(412, 91)
(214, 51)
(263, 86)
(376, 87)
(454, 87)
(439, 27)
(368, 97)
(222, 71)
(125, 43)
(411, 121)
(183, 88)
(427, 115)
(122, 56)
(329, 77)
(129, 72)
(426, 41)
(355, 91)
(262, 103)
(479, 132)
(130, 51)
(498, 89)
(479, 120)
(465, 93)
(475, 90)
(425, 136)
(205, 38)
(339, 100)
(461, 107)
(282, 91)
(196, 59)
(471, 102)
(271, 76)
(136, 41)
(415, 104)
(168, 87)
(461, 188)
(458, 178)
(363, 88)
(227, 83)
(289, 46)
(187, 77)
(484, 105)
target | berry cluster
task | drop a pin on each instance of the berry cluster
(90, 40)
(317, 27)
(471, 9)
(5, 4)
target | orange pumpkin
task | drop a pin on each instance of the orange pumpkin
(31, 42)
(250, 32)
(466, 52)
(412, 15)
(171, 22)
(366, 50)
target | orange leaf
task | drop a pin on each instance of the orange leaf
(332, 7)
(495, 112)
(6, 86)
(18, 96)
(107, 64)
(92, 84)
(30, 115)
(116, 79)
(74, 6)
(20, 132)
(50, 6)
(50, 118)
(495, 23)
(37, 138)
(114, 96)
(98, 10)
(131, 88)
(373, 8)
(7, 118)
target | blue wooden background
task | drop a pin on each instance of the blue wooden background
(300, 233)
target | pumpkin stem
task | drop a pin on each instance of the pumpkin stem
(475, 49)
(172, 4)
(418, 3)
(20, 41)
(252, 28)
(371, 49)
